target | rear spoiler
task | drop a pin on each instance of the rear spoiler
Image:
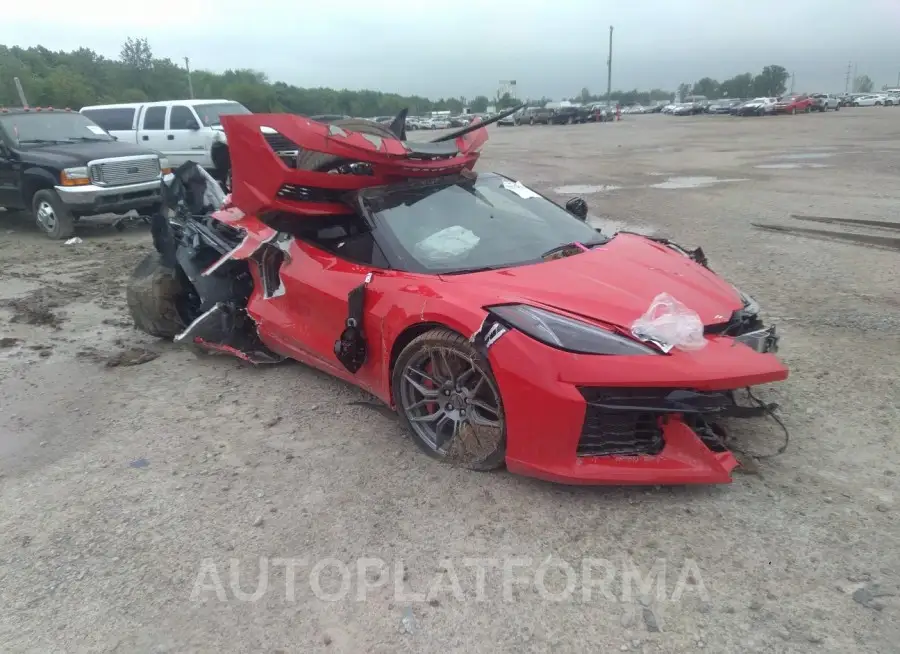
(262, 180)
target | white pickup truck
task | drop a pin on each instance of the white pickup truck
(183, 130)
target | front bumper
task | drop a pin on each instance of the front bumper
(92, 199)
(640, 420)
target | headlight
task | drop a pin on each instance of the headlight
(164, 166)
(565, 333)
(74, 176)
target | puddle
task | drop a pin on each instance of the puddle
(791, 166)
(584, 189)
(693, 182)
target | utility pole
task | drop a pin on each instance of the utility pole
(609, 69)
(187, 64)
(21, 92)
(855, 76)
(792, 83)
(847, 81)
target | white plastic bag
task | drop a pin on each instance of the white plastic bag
(669, 323)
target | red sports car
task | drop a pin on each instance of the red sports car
(794, 104)
(498, 323)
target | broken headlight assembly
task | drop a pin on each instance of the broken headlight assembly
(564, 333)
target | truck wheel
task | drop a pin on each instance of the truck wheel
(152, 295)
(51, 215)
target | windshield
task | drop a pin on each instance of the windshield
(210, 113)
(56, 127)
(464, 225)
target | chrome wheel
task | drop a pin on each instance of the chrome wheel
(451, 403)
(46, 216)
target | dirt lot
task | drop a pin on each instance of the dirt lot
(128, 489)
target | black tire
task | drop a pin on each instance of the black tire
(152, 296)
(318, 161)
(489, 455)
(51, 215)
(837, 108)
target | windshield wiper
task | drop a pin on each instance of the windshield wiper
(466, 271)
(574, 244)
(85, 138)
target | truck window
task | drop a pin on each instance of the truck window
(182, 117)
(114, 118)
(155, 118)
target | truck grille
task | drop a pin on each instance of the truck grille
(126, 170)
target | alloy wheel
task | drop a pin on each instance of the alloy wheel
(447, 397)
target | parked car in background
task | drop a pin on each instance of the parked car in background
(441, 122)
(509, 121)
(872, 100)
(534, 116)
(569, 115)
(699, 103)
(599, 112)
(824, 102)
(60, 166)
(756, 107)
(684, 109)
(793, 104)
(182, 130)
(724, 106)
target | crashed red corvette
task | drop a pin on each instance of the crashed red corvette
(496, 322)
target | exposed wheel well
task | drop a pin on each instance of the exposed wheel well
(31, 185)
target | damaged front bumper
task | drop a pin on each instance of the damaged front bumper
(627, 420)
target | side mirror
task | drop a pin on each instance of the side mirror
(578, 208)
(193, 124)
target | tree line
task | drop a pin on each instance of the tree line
(83, 77)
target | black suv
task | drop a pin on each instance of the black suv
(569, 115)
(60, 166)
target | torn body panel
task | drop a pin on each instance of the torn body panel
(264, 182)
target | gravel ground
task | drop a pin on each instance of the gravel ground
(129, 491)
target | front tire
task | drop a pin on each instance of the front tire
(51, 215)
(449, 400)
(152, 295)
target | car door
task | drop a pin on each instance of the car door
(309, 316)
(10, 176)
(186, 140)
(152, 129)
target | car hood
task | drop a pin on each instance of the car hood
(80, 153)
(613, 283)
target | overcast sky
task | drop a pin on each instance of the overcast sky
(463, 48)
